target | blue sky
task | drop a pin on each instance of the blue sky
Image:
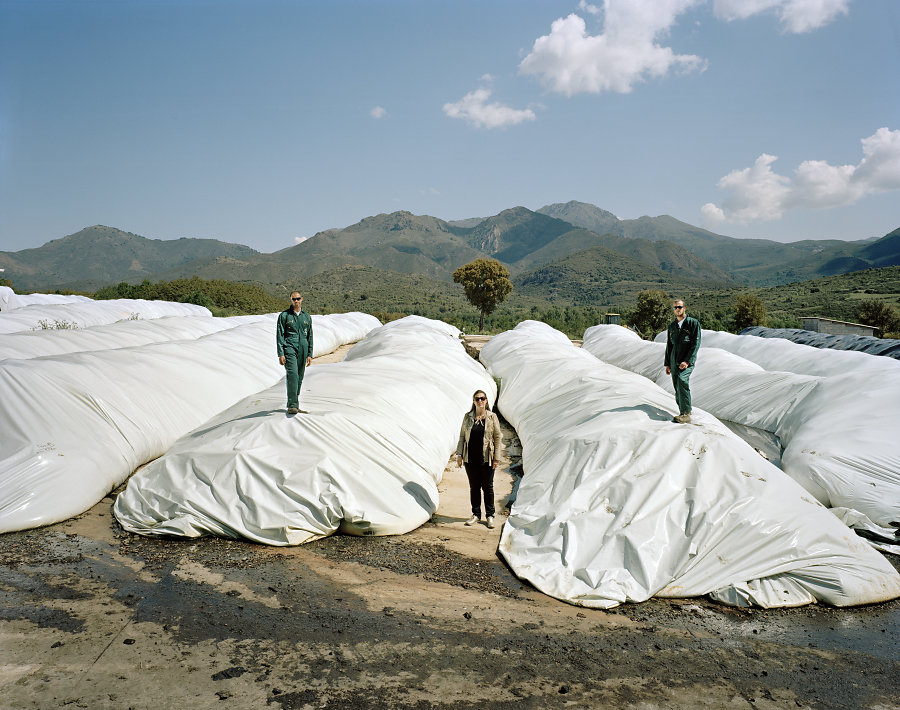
(265, 122)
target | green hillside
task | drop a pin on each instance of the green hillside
(756, 262)
(885, 251)
(835, 297)
(598, 276)
(98, 256)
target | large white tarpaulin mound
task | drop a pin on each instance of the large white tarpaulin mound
(83, 314)
(620, 504)
(75, 425)
(783, 355)
(365, 457)
(839, 437)
(9, 299)
(330, 332)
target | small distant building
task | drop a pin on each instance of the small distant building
(611, 319)
(836, 327)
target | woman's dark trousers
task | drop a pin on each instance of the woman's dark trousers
(481, 479)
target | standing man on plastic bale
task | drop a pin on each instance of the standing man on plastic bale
(682, 344)
(294, 339)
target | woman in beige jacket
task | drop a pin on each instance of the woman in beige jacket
(479, 449)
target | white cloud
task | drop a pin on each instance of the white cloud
(570, 61)
(587, 7)
(378, 112)
(796, 16)
(474, 108)
(758, 193)
(300, 240)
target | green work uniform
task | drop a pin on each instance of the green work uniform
(682, 345)
(294, 339)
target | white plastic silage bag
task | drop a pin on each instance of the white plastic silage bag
(76, 425)
(839, 437)
(365, 458)
(619, 504)
(86, 313)
(27, 344)
(9, 299)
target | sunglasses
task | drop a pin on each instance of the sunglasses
(480, 399)
(297, 299)
(677, 308)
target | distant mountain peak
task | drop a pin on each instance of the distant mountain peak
(402, 220)
(584, 215)
(572, 205)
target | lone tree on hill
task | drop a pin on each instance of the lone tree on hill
(882, 315)
(748, 310)
(486, 283)
(652, 312)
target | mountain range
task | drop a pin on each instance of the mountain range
(560, 247)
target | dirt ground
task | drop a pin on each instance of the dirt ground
(94, 617)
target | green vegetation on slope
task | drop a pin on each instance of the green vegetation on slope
(223, 298)
(836, 297)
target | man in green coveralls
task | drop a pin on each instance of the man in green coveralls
(294, 339)
(682, 344)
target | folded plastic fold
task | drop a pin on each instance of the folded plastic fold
(364, 457)
(76, 424)
(620, 504)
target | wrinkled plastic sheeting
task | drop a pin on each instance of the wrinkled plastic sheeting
(130, 333)
(83, 314)
(9, 299)
(840, 439)
(364, 458)
(331, 332)
(783, 355)
(724, 384)
(76, 425)
(887, 347)
(619, 504)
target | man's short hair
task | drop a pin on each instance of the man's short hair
(297, 292)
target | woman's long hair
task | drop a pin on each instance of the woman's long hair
(487, 403)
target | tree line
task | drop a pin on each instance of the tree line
(222, 298)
